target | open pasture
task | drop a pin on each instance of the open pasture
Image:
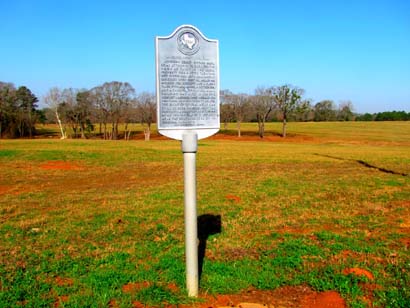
(92, 223)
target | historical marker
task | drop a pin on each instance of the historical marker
(187, 65)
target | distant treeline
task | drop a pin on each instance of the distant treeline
(81, 113)
(18, 111)
(384, 116)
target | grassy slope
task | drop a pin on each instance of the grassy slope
(302, 212)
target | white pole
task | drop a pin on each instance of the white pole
(189, 148)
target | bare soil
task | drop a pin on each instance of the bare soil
(233, 198)
(59, 165)
(61, 300)
(4, 189)
(358, 272)
(300, 296)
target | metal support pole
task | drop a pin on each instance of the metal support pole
(189, 149)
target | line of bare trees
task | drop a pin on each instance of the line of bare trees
(106, 106)
(279, 103)
(101, 110)
(115, 102)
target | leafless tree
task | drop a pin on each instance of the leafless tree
(240, 107)
(226, 108)
(262, 103)
(146, 111)
(54, 99)
(118, 95)
(83, 111)
(68, 110)
(345, 112)
(130, 115)
(227, 114)
(111, 100)
(101, 109)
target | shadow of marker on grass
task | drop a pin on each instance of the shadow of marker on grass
(363, 163)
(208, 224)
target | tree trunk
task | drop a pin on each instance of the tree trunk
(238, 125)
(128, 135)
(20, 128)
(147, 132)
(116, 130)
(125, 131)
(63, 135)
(284, 128)
(1, 128)
(74, 128)
(113, 135)
(82, 131)
(261, 126)
(30, 133)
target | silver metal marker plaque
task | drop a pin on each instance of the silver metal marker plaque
(187, 70)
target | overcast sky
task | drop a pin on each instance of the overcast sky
(339, 50)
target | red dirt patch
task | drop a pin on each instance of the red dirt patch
(137, 304)
(368, 290)
(12, 190)
(61, 282)
(358, 272)
(59, 165)
(16, 190)
(405, 242)
(4, 189)
(401, 203)
(300, 296)
(233, 198)
(61, 299)
(172, 287)
(133, 287)
(328, 299)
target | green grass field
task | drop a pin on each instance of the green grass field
(92, 223)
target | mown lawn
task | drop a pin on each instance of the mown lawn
(92, 223)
